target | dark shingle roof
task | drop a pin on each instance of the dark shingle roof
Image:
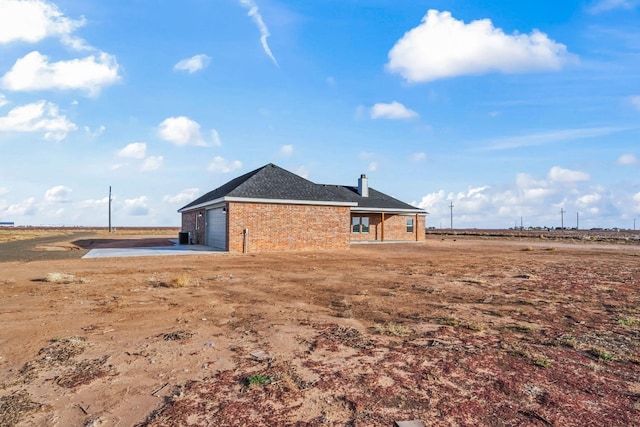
(270, 182)
(376, 199)
(273, 182)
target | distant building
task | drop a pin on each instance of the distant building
(6, 224)
(272, 209)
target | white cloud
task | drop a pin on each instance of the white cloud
(302, 171)
(286, 150)
(182, 131)
(567, 176)
(135, 150)
(372, 167)
(636, 199)
(25, 208)
(91, 203)
(34, 20)
(3, 100)
(215, 138)
(193, 64)
(442, 47)
(255, 15)
(152, 163)
(393, 111)
(40, 116)
(635, 101)
(35, 72)
(57, 194)
(185, 196)
(4, 191)
(627, 159)
(418, 157)
(95, 133)
(221, 165)
(119, 166)
(587, 200)
(608, 5)
(544, 138)
(138, 206)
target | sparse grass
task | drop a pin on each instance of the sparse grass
(552, 249)
(258, 379)
(472, 326)
(62, 278)
(566, 341)
(392, 329)
(449, 321)
(520, 328)
(180, 281)
(542, 362)
(601, 354)
(452, 321)
(628, 321)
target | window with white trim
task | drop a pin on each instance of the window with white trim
(409, 225)
(360, 224)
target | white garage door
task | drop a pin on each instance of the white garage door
(217, 228)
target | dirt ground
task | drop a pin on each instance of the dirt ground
(452, 332)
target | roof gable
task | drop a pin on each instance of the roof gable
(270, 182)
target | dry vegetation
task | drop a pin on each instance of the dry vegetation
(464, 332)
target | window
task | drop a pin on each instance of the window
(355, 224)
(360, 224)
(409, 225)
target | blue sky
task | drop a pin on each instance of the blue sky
(506, 109)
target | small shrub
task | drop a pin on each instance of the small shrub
(61, 278)
(473, 326)
(520, 328)
(601, 354)
(627, 321)
(392, 329)
(180, 281)
(542, 362)
(259, 379)
(527, 249)
(567, 341)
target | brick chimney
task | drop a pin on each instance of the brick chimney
(363, 186)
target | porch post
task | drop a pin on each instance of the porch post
(382, 232)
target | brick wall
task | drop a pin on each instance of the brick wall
(195, 224)
(278, 227)
(395, 228)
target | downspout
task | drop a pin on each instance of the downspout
(245, 241)
(382, 233)
(417, 227)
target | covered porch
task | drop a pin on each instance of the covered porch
(380, 225)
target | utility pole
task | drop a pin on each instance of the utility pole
(109, 209)
(451, 207)
(577, 220)
(634, 224)
(521, 226)
(562, 212)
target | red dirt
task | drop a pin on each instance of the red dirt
(465, 332)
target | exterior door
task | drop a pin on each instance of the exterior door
(217, 228)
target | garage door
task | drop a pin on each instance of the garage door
(217, 228)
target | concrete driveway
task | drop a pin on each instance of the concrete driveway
(152, 251)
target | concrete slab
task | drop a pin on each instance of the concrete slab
(152, 251)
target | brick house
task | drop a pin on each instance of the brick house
(272, 209)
